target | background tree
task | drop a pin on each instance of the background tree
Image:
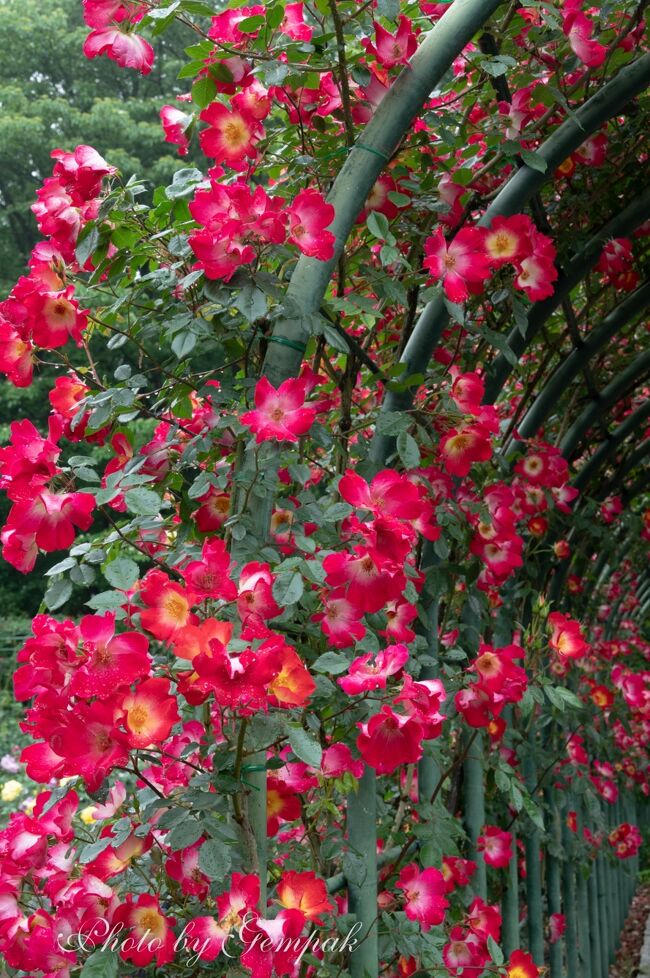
(49, 97)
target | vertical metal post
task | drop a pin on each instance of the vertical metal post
(569, 902)
(553, 882)
(510, 904)
(534, 875)
(594, 924)
(362, 888)
(618, 886)
(584, 936)
(610, 896)
(474, 810)
(604, 913)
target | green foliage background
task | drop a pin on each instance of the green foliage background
(52, 97)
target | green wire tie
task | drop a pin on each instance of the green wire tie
(251, 767)
(371, 149)
(300, 347)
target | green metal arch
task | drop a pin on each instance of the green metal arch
(567, 370)
(526, 182)
(610, 396)
(608, 448)
(366, 160)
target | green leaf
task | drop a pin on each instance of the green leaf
(197, 8)
(275, 72)
(335, 339)
(378, 226)
(214, 859)
(221, 72)
(495, 951)
(183, 344)
(122, 573)
(562, 698)
(162, 13)
(56, 794)
(90, 852)
(185, 834)
(570, 698)
(191, 69)
(393, 422)
(101, 964)
(336, 512)
(332, 663)
(183, 183)
(64, 565)
(305, 747)
(143, 502)
(456, 311)
(265, 729)
(502, 781)
(87, 243)
(251, 302)
(288, 589)
(516, 797)
(274, 15)
(500, 343)
(203, 92)
(106, 601)
(57, 594)
(494, 68)
(388, 8)
(249, 25)
(534, 160)
(463, 176)
(408, 451)
(534, 813)
(103, 496)
(521, 316)
(455, 655)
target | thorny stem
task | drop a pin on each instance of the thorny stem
(344, 83)
(155, 560)
(452, 767)
(549, 767)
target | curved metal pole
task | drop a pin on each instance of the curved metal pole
(644, 610)
(608, 448)
(637, 487)
(643, 590)
(368, 157)
(628, 466)
(548, 398)
(609, 396)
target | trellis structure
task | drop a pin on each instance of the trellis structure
(594, 892)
